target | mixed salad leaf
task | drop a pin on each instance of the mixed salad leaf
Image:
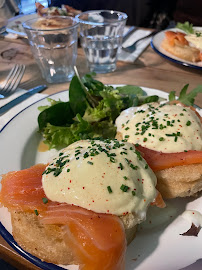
(186, 27)
(184, 97)
(90, 112)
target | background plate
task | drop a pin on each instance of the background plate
(156, 45)
(158, 244)
(14, 25)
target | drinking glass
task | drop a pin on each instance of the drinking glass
(53, 42)
(101, 33)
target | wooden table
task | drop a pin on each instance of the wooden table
(149, 70)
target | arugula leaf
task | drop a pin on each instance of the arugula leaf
(188, 99)
(186, 27)
(171, 96)
(184, 97)
(59, 114)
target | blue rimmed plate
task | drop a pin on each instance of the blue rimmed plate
(156, 45)
(158, 240)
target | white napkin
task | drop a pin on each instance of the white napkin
(15, 110)
(140, 47)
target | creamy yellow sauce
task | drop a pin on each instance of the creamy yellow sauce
(195, 40)
(165, 128)
(103, 176)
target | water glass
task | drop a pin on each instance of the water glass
(53, 42)
(101, 33)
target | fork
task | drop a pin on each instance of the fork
(132, 47)
(12, 81)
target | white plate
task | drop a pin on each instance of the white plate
(156, 45)
(14, 25)
(158, 244)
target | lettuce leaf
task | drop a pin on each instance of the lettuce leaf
(59, 137)
(186, 27)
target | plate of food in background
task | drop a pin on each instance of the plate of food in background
(182, 45)
(14, 25)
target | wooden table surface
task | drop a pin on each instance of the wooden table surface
(149, 70)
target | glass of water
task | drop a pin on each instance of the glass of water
(53, 42)
(101, 33)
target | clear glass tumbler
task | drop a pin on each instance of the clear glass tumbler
(101, 33)
(53, 42)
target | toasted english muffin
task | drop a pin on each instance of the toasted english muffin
(184, 52)
(46, 241)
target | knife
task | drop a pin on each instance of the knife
(128, 33)
(21, 98)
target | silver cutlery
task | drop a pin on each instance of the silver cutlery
(132, 47)
(130, 31)
(21, 98)
(12, 81)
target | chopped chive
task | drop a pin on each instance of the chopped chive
(161, 139)
(68, 170)
(109, 189)
(145, 139)
(146, 166)
(45, 200)
(125, 177)
(133, 193)
(124, 188)
(89, 162)
(121, 166)
(36, 212)
(188, 123)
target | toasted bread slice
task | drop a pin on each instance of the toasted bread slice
(179, 181)
(184, 52)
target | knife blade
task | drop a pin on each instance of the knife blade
(21, 98)
(128, 33)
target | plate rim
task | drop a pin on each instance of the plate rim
(180, 62)
(10, 30)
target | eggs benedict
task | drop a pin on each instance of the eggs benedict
(101, 186)
(162, 130)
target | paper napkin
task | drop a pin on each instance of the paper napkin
(140, 47)
(15, 110)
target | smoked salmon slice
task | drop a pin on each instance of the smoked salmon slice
(160, 161)
(97, 240)
(174, 37)
(22, 190)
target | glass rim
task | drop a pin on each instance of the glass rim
(27, 27)
(125, 16)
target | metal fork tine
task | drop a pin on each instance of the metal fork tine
(10, 79)
(14, 84)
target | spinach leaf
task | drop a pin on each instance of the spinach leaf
(77, 97)
(59, 114)
(131, 90)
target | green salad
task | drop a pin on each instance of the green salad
(92, 110)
